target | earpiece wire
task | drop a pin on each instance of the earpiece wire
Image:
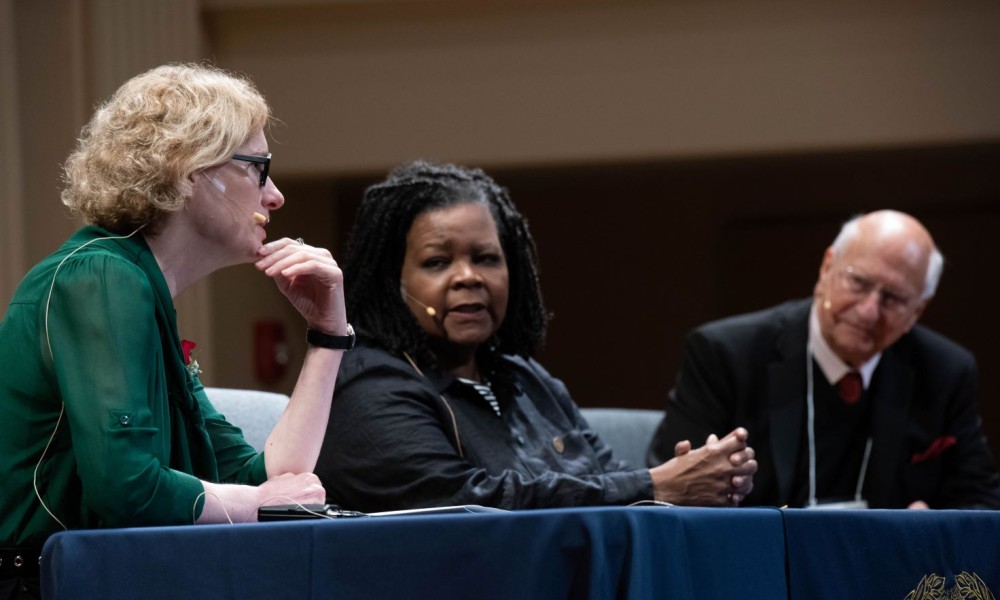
(454, 422)
(48, 343)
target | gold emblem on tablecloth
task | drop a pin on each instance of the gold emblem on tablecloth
(967, 585)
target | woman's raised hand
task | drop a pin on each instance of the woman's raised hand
(311, 280)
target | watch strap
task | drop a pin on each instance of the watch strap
(317, 338)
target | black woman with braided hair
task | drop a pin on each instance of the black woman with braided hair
(442, 403)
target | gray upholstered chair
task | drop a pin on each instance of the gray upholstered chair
(252, 411)
(627, 430)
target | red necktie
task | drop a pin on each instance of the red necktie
(850, 387)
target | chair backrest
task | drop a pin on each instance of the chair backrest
(253, 411)
(627, 430)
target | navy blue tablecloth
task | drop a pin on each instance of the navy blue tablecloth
(893, 554)
(638, 552)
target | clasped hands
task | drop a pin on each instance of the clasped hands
(720, 473)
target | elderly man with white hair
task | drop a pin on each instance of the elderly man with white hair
(849, 403)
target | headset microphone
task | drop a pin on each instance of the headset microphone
(258, 218)
(428, 309)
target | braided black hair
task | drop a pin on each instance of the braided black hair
(377, 247)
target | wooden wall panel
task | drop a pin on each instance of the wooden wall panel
(634, 256)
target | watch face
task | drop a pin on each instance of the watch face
(351, 338)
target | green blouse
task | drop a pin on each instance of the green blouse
(100, 419)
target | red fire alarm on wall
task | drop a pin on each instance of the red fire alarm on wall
(270, 350)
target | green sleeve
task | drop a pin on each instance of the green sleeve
(109, 365)
(238, 462)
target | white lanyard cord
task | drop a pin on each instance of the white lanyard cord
(811, 432)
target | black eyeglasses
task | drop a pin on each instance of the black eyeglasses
(260, 160)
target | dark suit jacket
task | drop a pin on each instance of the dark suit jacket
(750, 371)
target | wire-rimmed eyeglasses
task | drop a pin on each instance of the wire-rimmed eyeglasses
(889, 300)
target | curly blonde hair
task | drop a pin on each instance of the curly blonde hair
(133, 161)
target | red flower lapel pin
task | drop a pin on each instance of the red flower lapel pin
(187, 346)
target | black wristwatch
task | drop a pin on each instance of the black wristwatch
(336, 342)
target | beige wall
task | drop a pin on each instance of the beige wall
(364, 85)
(370, 84)
(11, 210)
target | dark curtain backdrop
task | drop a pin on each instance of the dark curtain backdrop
(633, 256)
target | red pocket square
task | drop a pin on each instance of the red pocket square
(935, 449)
